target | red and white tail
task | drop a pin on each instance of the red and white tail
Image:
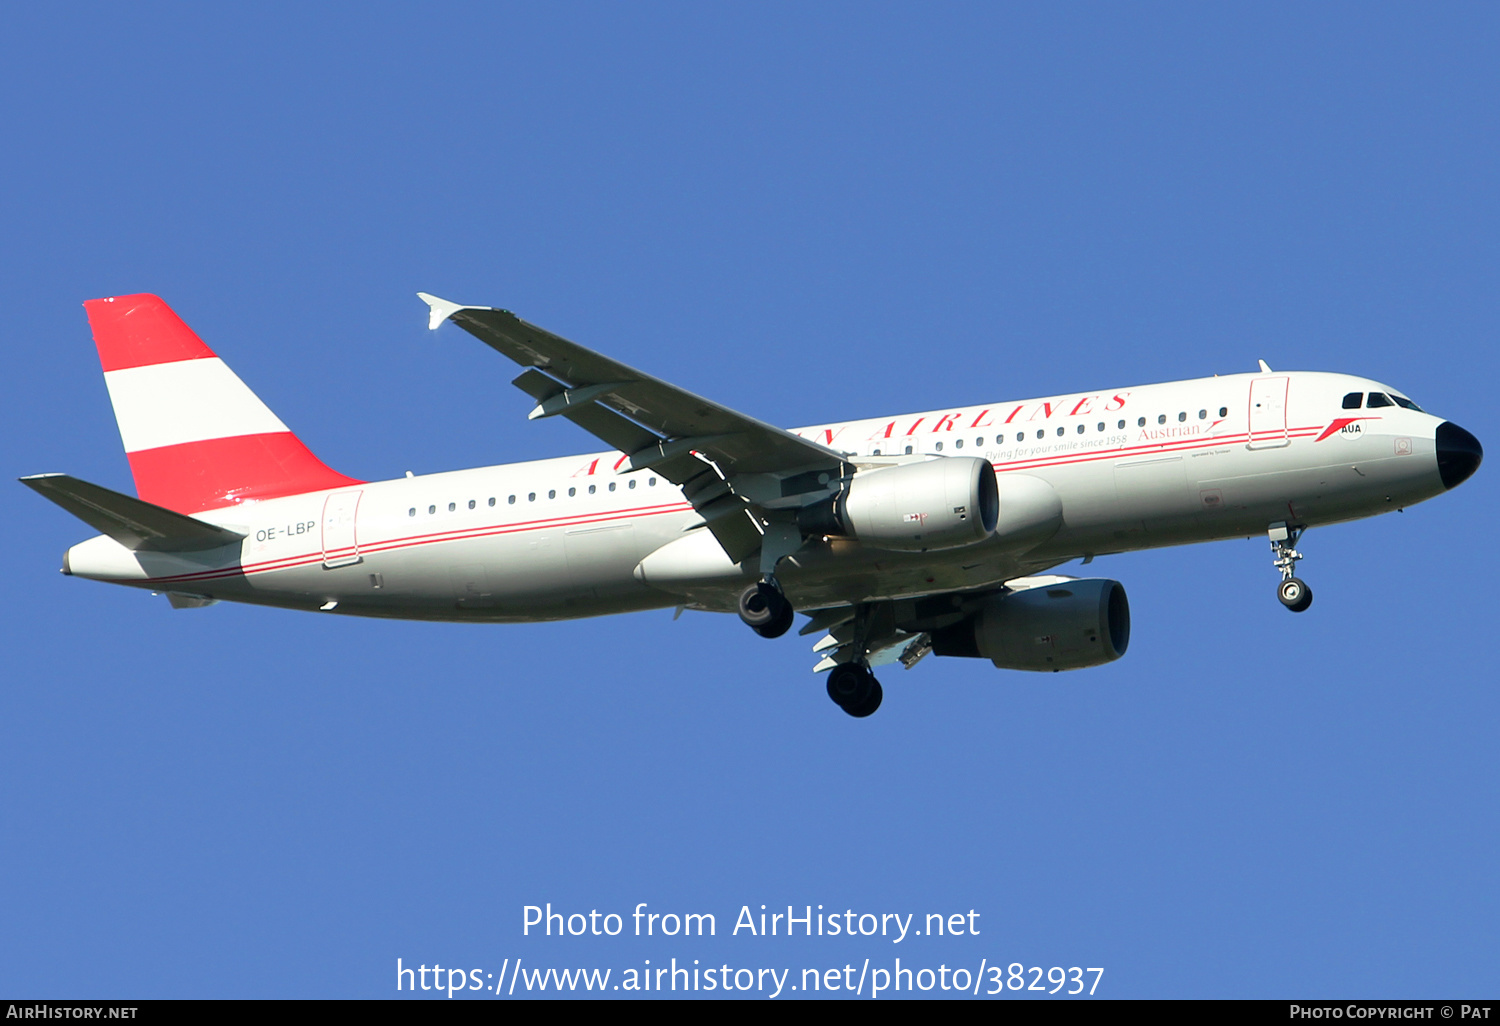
(197, 438)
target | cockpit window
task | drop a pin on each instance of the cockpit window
(1351, 401)
(1377, 400)
(1405, 403)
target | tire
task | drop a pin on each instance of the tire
(849, 685)
(871, 703)
(761, 605)
(779, 626)
(1294, 594)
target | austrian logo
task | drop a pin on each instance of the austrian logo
(1345, 427)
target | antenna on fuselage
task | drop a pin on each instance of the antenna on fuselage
(1265, 368)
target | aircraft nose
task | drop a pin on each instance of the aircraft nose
(1458, 454)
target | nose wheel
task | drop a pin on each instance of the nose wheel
(765, 609)
(1294, 594)
(1293, 591)
(854, 689)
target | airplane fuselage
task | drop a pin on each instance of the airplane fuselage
(1135, 468)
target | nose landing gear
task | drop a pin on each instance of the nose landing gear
(1293, 591)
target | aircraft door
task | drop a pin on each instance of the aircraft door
(340, 545)
(1268, 413)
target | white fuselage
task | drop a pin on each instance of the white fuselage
(1133, 468)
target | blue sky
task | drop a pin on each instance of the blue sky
(808, 212)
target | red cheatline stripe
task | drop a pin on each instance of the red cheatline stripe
(1146, 449)
(140, 330)
(413, 541)
(575, 520)
(637, 512)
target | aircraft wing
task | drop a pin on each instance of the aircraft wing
(732, 467)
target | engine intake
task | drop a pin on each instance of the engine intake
(1065, 625)
(943, 503)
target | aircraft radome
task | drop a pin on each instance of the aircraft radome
(899, 536)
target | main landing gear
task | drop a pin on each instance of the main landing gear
(765, 609)
(854, 689)
(852, 686)
(1293, 591)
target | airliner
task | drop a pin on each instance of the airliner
(898, 537)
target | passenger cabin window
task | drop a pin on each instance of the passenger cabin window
(531, 496)
(958, 444)
(1202, 414)
(431, 509)
(1223, 411)
(1081, 428)
(1140, 422)
(471, 503)
(1101, 425)
(572, 492)
(940, 447)
(1182, 417)
(1377, 400)
(591, 489)
(511, 500)
(412, 512)
(1040, 433)
(1161, 418)
(452, 506)
(612, 485)
(492, 500)
(1060, 432)
(551, 493)
(1120, 426)
(1351, 401)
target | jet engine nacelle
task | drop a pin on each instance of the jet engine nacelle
(936, 504)
(1063, 624)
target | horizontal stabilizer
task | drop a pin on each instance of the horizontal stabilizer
(139, 526)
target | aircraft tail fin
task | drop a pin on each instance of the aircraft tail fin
(196, 436)
(139, 526)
